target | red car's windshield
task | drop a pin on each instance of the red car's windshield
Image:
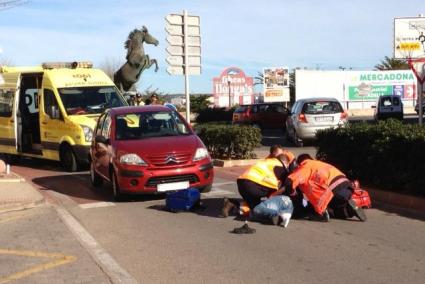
(149, 124)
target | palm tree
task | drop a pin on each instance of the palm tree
(392, 64)
(259, 79)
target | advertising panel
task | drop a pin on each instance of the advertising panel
(370, 85)
(355, 86)
(276, 84)
(233, 87)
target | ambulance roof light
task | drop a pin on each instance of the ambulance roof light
(72, 65)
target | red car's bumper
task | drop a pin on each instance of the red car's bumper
(139, 180)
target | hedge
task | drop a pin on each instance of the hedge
(229, 141)
(388, 154)
(214, 114)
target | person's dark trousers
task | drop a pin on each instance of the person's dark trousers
(342, 193)
(252, 192)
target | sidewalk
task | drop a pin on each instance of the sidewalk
(17, 194)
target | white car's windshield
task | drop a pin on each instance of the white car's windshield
(90, 100)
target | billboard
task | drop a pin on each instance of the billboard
(276, 84)
(355, 86)
(409, 37)
(233, 87)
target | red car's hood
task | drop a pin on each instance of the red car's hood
(154, 146)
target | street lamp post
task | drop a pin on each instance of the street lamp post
(228, 85)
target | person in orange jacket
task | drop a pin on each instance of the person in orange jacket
(324, 186)
(261, 179)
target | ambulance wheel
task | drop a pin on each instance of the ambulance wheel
(68, 159)
(95, 179)
(115, 187)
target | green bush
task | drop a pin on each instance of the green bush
(388, 154)
(214, 115)
(228, 141)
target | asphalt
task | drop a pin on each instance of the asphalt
(17, 194)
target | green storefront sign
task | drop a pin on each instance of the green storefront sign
(373, 93)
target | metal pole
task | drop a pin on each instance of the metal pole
(420, 89)
(186, 67)
(228, 85)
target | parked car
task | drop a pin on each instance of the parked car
(423, 108)
(388, 106)
(309, 115)
(148, 149)
(262, 115)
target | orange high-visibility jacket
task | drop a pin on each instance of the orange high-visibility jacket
(263, 173)
(313, 178)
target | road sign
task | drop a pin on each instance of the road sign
(184, 37)
(177, 19)
(179, 70)
(179, 40)
(409, 37)
(179, 60)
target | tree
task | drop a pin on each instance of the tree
(110, 66)
(392, 64)
(259, 79)
(9, 4)
(198, 103)
(292, 86)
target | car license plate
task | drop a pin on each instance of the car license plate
(324, 118)
(163, 187)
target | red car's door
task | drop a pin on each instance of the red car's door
(102, 146)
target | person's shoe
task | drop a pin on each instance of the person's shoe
(285, 219)
(276, 220)
(245, 229)
(358, 211)
(227, 207)
(320, 218)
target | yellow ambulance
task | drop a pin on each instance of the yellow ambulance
(50, 111)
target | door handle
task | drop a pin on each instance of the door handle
(44, 122)
(12, 120)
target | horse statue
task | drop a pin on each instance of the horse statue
(137, 61)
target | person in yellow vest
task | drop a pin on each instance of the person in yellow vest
(325, 187)
(260, 180)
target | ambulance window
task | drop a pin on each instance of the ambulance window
(6, 103)
(50, 102)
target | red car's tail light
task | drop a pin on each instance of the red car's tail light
(302, 118)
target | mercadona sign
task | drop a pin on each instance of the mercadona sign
(369, 85)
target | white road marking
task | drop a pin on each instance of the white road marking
(96, 205)
(218, 191)
(111, 268)
(224, 183)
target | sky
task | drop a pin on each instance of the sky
(251, 35)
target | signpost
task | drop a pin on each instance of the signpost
(184, 39)
(409, 43)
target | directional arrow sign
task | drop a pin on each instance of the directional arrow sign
(179, 60)
(175, 19)
(179, 40)
(175, 50)
(179, 70)
(179, 50)
(178, 30)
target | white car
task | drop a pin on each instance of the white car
(309, 115)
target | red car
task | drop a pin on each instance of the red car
(148, 149)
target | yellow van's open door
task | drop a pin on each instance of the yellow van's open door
(9, 92)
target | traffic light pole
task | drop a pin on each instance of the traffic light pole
(186, 66)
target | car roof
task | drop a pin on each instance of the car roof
(137, 109)
(318, 99)
(259, 104)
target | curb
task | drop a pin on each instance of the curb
(397, 199)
